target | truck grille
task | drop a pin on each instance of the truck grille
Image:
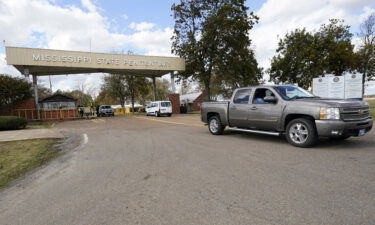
(357, 113)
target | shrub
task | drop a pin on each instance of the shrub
(12, 123)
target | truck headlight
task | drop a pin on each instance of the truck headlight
(329, 113)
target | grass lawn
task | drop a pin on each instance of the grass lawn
(372, 106)
(18, 157)
(38, 125)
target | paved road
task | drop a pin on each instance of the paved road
(142, 171)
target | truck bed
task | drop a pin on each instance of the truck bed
(220, 108)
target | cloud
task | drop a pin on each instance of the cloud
(279, 17)
(44, 24)
(143, 26)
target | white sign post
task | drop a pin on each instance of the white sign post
(347, 86)
(336, 86)
(320, 87)
(353, 85)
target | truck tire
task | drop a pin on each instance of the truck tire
(301, 133)
(215, 126)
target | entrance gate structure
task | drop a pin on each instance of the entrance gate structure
(45, 62)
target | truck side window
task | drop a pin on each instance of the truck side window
(259, 95)
(242, 96)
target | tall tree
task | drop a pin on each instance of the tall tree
(162, 90)
(366, 52)
(297, 60)
(105, 97)
(303, 55)
(115, 85)
(83, 99)
(136, 88)
(210, 35)
(13, 90)
(336, 48)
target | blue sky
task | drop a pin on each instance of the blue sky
(146, 26)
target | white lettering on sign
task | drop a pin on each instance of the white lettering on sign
(61, 58)
(101, 61)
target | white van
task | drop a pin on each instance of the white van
(159, 108)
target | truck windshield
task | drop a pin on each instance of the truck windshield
(292, 92)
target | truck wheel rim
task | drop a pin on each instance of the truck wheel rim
(214, 125)
(298, 133)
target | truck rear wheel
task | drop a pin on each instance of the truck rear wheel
(215, 126)
(301, 133)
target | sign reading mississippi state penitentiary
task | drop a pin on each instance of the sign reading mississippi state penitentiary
(31, 58)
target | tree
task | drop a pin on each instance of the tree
(13, 90)
(115, 85)
(303, 55)
(123, 87)
(210, 35)
(335, 47)
(366, 52)
(185, 87)
(105, 98)
(162, 90)
(137, 88)
(297, 61)
(83, 99)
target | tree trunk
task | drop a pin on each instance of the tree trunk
(132, 97)
(207, 91)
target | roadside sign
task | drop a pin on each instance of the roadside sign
(320, 87)
(353, 85)
(347, 86)
(336, 87)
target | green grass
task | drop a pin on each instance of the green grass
(194, 112)
(372, 106)
(18, 157)
(38, 125)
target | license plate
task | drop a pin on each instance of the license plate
(361, 132)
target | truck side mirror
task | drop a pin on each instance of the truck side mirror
(270, 99)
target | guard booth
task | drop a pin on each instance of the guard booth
(44, 62)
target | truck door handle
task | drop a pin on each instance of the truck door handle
(253, 108)
(233, 107)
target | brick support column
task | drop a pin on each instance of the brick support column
(175, 100)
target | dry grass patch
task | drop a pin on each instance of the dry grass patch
(18, 157)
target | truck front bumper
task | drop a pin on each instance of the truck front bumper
(335, 128)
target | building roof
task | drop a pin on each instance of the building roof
(58, 98)
(189, 97)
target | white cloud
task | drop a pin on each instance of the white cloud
(5, 69)
(43, 24)
(142, 26)
(279, 17)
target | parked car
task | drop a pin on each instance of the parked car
(106, 110)
(289, 110)
(159, 108)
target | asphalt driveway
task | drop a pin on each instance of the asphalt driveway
(147, 170)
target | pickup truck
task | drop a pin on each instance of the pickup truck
(288, 110)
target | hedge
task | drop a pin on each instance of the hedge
(12, 123)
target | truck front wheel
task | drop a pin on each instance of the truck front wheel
(301, 133)
(215, 126)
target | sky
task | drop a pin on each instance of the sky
(146, 26)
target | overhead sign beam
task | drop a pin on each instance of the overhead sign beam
(55, 62)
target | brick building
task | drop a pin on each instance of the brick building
(192, 101)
